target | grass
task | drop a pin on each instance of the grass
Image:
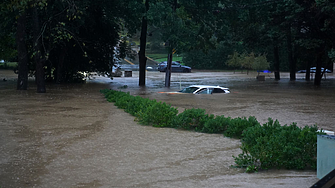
(8, 65)
(163, 57)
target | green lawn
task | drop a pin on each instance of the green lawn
(8, 65)
(163, 57)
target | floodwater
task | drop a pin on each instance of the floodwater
(71, 137)
(288, 101)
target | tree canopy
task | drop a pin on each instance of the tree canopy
(53, 40)
(56, 39)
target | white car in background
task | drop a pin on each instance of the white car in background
(205, 89)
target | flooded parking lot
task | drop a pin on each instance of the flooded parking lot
(71, 137)
(288, 101)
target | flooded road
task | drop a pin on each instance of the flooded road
(71, 137)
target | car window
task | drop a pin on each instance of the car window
(205, 91)
(189, 90)
(174, 63)
(218, 90)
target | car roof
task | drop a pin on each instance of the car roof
(166, 62)
(208, 86)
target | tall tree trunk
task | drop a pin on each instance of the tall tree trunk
(60, 65)
(318, 75)
(39, 74)
(168, 71)
(169, 62)
(22, 81)
(276, 60)
(308, 71)
(143, 43)
(290, 54)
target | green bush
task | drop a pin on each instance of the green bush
(138, 104)
(276, 146)
(158, 115)
(191, 119)
(238, 125)
(218, 124)
(147, 112)
(263, 146)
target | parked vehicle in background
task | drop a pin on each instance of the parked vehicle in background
(313, 70)
(175, 67)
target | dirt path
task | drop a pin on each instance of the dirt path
(72, 137)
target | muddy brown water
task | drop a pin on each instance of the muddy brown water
(71, 137)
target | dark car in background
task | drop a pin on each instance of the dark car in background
(175, 67)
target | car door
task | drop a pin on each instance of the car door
(175, 67)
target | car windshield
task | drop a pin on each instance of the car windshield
(189, 90)
(165, 63)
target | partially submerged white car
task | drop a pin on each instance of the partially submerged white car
(204, 89)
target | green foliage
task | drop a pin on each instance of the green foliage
(276, 146)
(218, 124)
(235, 60)
(7, 47)
(250, 61)
(146, 111)
(191, 119)
(73, 36)
(8, 65)
(236, 126)
(263, 146)
(260, 63)
(212, 58)
(158, 115)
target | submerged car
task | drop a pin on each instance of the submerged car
(204, 89)
(175, 67)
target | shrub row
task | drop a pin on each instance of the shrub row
(159, 114)
(263, 146)
(276, 146)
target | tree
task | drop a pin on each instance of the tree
(143, 44)
(22, 82)
(235, 61)
(260, 63)
(65, 37)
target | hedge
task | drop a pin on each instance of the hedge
(263, 146)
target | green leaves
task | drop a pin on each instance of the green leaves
(276, 146)
(158, 114)
(260, 63)
(235, 60)
(263, 146)
(191, 119)
(250, 61)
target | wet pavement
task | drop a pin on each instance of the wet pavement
(71, 137)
